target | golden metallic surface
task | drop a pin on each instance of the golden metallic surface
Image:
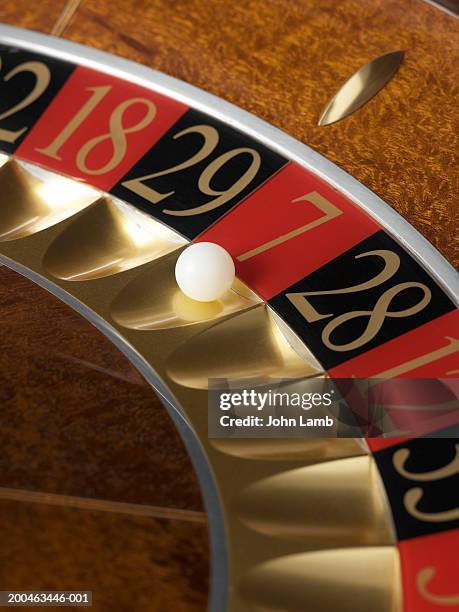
(154, 301)
(361, 87)
(292, 337)
(337, 503)
(109, 237)
(184, 356)
(345, 580)
(260, 353)
(308, 451)
(33, 198)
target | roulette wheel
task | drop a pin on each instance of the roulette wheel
(108, 171)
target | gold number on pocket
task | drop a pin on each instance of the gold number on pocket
(42, 79)
(210, 136)
(402, 455)
(117, 133)
(411, 500)
(451, 346)
(117, 136)
(211, 139)
(376, 317)
(52, 150)
(330, 211)
(414, 495)
(423, 578)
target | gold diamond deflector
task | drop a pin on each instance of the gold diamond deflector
(361, 87)
(290, 497)
(34, 199)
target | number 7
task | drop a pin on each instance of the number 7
(330, 212)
